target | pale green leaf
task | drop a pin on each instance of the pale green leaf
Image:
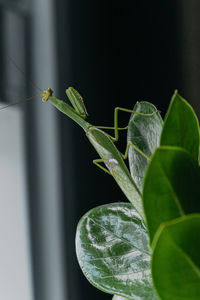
(113, 252)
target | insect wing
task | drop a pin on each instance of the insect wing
(115, 164)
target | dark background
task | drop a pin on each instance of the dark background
(115, 53)
(121, 52)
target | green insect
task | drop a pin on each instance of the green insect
(103, 142)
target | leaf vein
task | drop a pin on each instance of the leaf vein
(119, 237)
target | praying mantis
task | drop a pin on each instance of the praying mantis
(103, 143)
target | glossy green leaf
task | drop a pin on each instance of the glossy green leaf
(144, 132)
(176, 259)
(171, 187)
(113, 253)
(181, 126)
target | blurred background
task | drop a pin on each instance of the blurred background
(114, 53)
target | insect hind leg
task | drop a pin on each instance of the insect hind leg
(97, 163)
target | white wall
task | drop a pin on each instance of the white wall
(15, 262)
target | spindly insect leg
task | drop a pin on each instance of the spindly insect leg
(97, 163)
(125, 155)
(116, 128)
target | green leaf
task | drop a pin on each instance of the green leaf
(181, 126)
(176, 259)
(144, 132)
(113, 253)
(171, 187)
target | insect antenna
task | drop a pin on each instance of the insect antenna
(22, 72)
(20, 102)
